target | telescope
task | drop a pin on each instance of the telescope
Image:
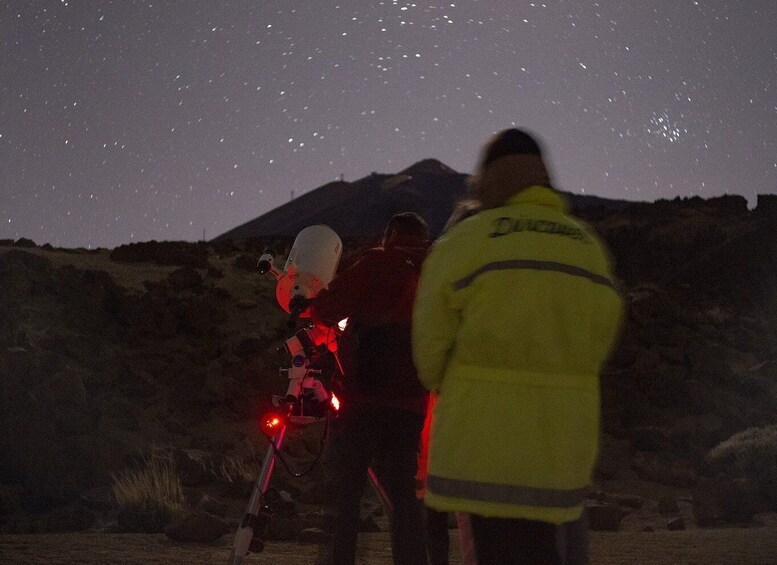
(310, 266)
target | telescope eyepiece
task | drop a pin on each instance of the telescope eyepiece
(265, 261)
(263, 266)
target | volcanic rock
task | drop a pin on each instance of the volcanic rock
(197, 526)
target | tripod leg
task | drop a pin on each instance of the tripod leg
(240, 545)
(381, 492)
(255, 520)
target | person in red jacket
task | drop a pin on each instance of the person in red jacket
(383, 404)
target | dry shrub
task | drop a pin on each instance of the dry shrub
(751, 453)
(235, 470)
(720, 315)
(153, 488)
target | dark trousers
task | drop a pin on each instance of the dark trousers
(573, 541)
(501, 541)
(437, 536)
(388, 439)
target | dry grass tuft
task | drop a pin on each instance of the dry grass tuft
(154, 486)
(237, 470)
(753, 453)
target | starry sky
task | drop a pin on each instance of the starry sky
(129, 120)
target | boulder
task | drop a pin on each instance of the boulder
(163, 253)
(197, 526)
(91, 299)
(667, 504)
(314, 536)
(22, 274)
(142, 520)
(69, 469)
(48, 424)
(239, 488)
(766, 204)
(697, 432)
(628, 501)
(65, 400)
(723, 499)
(211, 506)
(282, 527)
(185, 278)
(664, 468)
(99, 499)
(314, 494)
(705, 504)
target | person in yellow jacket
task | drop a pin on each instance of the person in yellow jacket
(517, 309)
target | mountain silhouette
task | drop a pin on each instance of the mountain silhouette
(364, 207)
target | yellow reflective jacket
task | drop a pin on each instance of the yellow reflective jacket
(516, 311)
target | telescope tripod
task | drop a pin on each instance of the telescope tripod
(306, 399)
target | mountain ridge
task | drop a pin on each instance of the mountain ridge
(359, 208)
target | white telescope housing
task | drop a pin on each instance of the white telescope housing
(311, 265)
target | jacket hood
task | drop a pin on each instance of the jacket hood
(415, 252)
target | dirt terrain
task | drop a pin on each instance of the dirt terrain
(725, 546)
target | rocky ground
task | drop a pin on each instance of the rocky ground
(108, 356)
(729, 546)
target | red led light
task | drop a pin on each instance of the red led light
(335, 402)
(271, 424)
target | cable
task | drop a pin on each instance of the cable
(315, 461)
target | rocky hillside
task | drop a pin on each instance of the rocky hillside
(107, 356)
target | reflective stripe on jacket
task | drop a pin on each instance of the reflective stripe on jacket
(516, 311)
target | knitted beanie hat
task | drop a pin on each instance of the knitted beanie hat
(509, 142)
(510, 162)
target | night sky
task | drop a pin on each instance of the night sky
(128, 121)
